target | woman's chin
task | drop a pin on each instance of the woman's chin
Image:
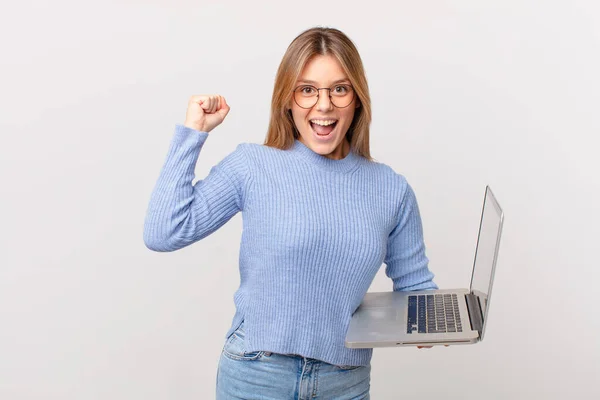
(325, 149)
(322, 146)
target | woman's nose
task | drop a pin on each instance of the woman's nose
(324, 101)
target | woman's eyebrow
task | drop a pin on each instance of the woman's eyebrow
(315, 83)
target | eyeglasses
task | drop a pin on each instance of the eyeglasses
(306, 96)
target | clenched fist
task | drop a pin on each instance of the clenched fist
(205, 112)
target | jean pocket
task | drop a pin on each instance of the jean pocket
(235, 349)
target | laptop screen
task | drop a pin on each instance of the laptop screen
(488, 243)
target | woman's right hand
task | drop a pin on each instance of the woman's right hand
(205, 112)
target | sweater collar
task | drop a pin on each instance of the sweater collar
(342, 166)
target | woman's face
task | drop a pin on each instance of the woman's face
(324, 72)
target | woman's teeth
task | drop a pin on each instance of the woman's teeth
(324, 122)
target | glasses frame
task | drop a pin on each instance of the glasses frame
(319, 92)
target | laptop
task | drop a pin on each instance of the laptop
(434, 317)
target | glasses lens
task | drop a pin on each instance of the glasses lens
(341, 95)
(306, 96)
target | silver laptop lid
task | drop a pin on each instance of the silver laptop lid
(486, 253)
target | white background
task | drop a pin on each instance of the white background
(465, 93)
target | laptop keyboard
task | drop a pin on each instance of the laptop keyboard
(433, 313)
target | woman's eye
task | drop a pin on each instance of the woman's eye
(308, 90)
(342, 89)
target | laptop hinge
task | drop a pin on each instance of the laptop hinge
(475, 314)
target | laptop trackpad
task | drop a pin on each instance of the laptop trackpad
(381, 313)
(377, 323)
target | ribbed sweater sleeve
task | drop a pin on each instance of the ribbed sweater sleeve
(181, 213)
(406, 262)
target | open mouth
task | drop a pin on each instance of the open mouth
(323, 127)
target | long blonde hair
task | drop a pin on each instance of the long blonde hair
(319, 41)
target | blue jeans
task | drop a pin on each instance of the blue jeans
(262, 375)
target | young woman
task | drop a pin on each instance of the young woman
(319, 215)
